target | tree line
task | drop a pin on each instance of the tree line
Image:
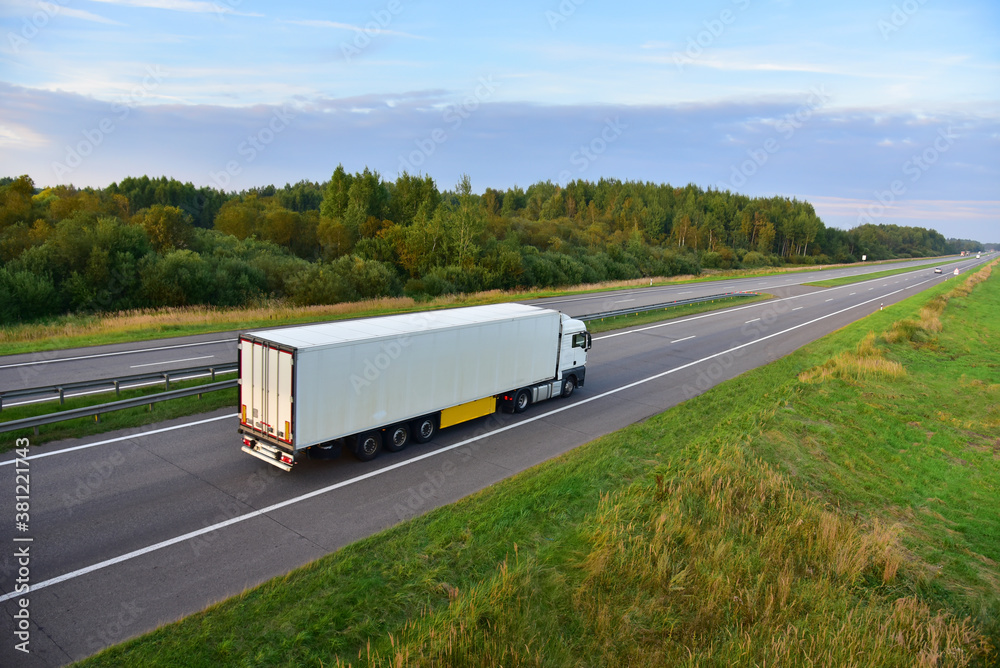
(153, 242)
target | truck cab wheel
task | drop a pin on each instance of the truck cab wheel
(521, 401)
(423, 429)
(368, 446)
(397, 437)
(569, 384)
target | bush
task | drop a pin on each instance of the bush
(180, 278)
(754, 259)
(348, 278)
(25, 296)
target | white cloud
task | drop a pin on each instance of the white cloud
(55, 9)
(193, 6)
(320, 23)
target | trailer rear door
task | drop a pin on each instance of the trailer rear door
(266, 382)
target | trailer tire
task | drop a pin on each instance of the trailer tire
(397, 437)
(368, 446)
(569, 384)
(522, 399)
(424, 429)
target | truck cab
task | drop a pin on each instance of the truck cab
(574, 342)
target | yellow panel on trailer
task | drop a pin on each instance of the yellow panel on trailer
(469, 411)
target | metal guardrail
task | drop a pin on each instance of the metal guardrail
(96, 411)
(664, 305)
(117, 383)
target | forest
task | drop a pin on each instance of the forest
(154, 242)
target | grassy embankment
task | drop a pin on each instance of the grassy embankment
(74, 331)
(836, 507)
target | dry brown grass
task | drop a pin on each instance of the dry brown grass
(865, 364)
(929, 320)
(728, 566)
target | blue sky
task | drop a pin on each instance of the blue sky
(873, 111)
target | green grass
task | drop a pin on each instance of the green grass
(831, 508)
(847, 280)
(122, 419)
(671, 312)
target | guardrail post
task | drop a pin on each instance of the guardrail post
(213, 377)
(166, 377)
(118, 389)
(97, 418)
(62, 396)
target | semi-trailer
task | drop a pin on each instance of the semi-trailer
(374, 384)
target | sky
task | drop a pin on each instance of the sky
(884, 112)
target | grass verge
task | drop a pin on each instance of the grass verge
(122, 419)
(847, 280)
(823, 509)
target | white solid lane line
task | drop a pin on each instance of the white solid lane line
(123, 352)
(392, 467)
(188, 359)
(120, 438)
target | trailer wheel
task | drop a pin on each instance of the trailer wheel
(569, 384)
(424, 429)
(368, 446)
(397, 437)
(521, 401)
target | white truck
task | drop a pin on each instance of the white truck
(378, 383)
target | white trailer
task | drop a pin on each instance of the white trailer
(377, 383)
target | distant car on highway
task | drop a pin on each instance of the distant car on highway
(938, 271)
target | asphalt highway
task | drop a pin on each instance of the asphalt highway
(131, 530)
